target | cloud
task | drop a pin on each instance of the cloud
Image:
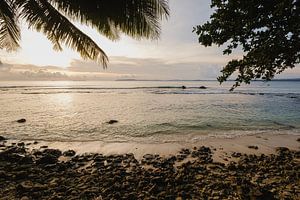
(119, 68)
(150, 68)
(29, 72)
(83, 71)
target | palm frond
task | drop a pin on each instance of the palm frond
(42, 16)
(9, 29)
(136, 18)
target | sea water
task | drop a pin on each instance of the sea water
(146, 111)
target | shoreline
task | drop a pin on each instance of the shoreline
(266, 143)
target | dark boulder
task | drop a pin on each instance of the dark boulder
(47, 159)
(53, 152)
(236, 154)
(183, 87)
(282, 149)
(69, 153)
(253, 147)
(25, 160)
(21, 120)
(2, 138)
(112, 121)
(21, 144)
(202, 87)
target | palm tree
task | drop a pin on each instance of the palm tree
(54, 18)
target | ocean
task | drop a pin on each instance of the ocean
(146, 111)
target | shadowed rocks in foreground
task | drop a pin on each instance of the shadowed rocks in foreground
(191, 174)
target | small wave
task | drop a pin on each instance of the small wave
(172, 136)
(61, 92)
(94, 88)
(161, 89)
(290, 95)
(284, 126)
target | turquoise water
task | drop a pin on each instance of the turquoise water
(147, 111)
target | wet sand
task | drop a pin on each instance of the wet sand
(266, 143)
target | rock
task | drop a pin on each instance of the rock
(25, 185)
(25, 160)
(204, 149)
(148, 157)
(2, 138)
(41, 176)
(202, 87)
(181, 157)
(253, 147)
(69, 153)
(35, 142)
(256, 192)
(112, 121)
(236, 154)
(185, 151)
(53, 152)
(47, 159)
(37, 153)
(298, 139)
(44, 147)
(14, 150)
(21, 144)
(282, 149)
(183, 87)
(21, 120)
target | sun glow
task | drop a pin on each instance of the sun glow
(37, 50)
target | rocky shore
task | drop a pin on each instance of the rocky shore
(44, 173)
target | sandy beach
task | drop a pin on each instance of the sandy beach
(222, 147)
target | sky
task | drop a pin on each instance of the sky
(176, 55)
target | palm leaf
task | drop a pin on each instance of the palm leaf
(9, 29)
(42, 16)
(136, 18)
